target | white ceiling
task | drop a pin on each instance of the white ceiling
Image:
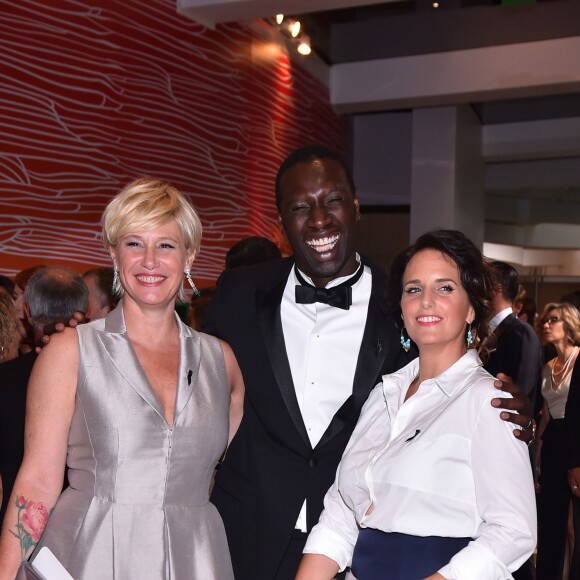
(212, 12)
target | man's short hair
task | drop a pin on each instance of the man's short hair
(104, 282)
(506, 277)
(250, 251)
(309, 153)
(53, 294)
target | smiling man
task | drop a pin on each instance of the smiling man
(319, 210)
(312, 336)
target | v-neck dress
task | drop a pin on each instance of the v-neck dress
(138, 502)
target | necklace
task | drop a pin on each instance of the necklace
(563, 371)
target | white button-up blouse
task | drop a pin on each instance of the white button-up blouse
(441, 463)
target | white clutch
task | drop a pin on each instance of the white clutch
(47, 567)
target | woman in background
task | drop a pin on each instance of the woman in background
(559, 326)
(9, 333)
(141, 407)
(431, 485)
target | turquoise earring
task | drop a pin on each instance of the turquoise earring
(405, 343)
(470, 338)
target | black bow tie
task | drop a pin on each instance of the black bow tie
(339, 296)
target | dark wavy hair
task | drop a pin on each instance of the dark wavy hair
(474, 274)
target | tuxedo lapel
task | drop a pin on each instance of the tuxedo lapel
(370, 361)
(268, 310)
(372, 352)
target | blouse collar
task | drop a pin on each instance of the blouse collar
(451, 381)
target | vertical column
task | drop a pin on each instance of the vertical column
(447, 172)
(381, 157)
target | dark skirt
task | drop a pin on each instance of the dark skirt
(382, 556)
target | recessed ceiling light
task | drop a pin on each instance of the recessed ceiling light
(304, 46)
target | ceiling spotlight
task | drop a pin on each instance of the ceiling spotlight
(279, 19)
(294, 28)
(304, 46)
(435, 4)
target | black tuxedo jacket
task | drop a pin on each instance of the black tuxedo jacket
(518, 354)
(270, 467)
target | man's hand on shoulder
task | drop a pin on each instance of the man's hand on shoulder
(52, 327)
(574, 481)
(518, 403)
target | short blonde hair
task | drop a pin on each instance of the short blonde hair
(144, 205)
(8, 322)
(570, 317)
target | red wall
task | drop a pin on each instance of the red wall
(95, 93)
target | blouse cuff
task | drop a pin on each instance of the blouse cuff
(475, 562)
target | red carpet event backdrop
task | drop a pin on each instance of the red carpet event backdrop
(96, 93)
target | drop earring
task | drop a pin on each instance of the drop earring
(187, 273)
(470, 338)
(405, 343)
(115, 281)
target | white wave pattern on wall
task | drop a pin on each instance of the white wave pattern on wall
(94, 94)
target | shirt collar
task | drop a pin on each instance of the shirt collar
(336, 281)
(499, 318)
(451, 381)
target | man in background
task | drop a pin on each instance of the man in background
(252, 250)
(52, 295)
(517, 351)
(99, 281)
(517, 348)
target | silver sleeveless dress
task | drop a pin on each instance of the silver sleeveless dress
(138, 502)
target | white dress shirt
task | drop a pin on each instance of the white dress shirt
(323, 344)
(441, 463)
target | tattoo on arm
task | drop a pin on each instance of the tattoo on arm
(31, 519)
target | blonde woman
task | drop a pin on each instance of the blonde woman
(141, 407)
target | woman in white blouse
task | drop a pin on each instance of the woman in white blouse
(431, 485)
(559, 325)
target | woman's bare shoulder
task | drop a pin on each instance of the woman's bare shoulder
(63, 346)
